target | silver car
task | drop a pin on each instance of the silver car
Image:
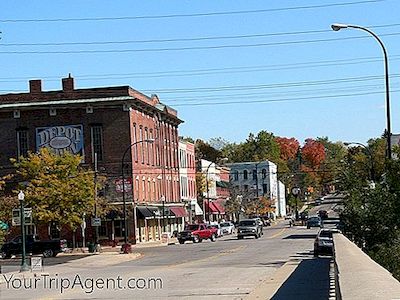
(249, 227)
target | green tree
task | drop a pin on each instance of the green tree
(58, 188)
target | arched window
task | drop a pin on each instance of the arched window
(245, 174)
(236, 175)
(264, 173)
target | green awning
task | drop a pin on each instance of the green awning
(222, 184)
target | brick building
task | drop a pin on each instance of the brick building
(105, 121)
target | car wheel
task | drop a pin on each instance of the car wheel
(196, 239)
(48, 253)
(240, 237)
(213, 238)
(5, 255)
(315, 253)
(256, 236)
(308, 227)
(181, 241)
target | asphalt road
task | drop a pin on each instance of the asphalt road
(226, 269)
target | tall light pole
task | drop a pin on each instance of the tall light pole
(126, 247)
(208, 196)
(372, 169)
(24, 265)
(337, 27)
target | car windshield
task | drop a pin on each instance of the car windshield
(247, 223)
(192, 227)
(314, 219)
(224, 224)
(326, 233)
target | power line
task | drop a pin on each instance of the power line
(207, 14)
(194, 47)
(168, 40)
(208, 71)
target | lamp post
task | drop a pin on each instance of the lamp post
(208, 196)
(21, 197)
(337, 27)
(295, 193)
(126, 248)
(372, 169)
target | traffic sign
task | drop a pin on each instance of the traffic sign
(16, 218)
(96, 222)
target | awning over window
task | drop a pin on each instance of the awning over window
(220, 208)
(197, 209)
(222, 184)
(211, 208)
(178, 211)
(147, 212)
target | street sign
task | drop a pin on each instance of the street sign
(96, 222)
(36, 263)
(16, 218)
(119, 187)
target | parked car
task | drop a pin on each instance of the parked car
(218, 228)
(249, 227)
(314, 222)
(197, 233)
(33, 245)
(227, 227)
(323, 243)
(323, 214)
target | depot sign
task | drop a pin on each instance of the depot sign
(61, 138)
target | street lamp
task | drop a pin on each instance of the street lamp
(126, 248)
(295, 193)
(337, 27)
(21, 197)
(208, 196)
(372, 169)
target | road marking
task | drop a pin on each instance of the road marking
(277, 234)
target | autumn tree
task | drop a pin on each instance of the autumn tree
(288, 148)
(58, 188)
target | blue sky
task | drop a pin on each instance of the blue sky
(279, 66)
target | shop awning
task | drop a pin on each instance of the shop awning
(220, 208)
(155, 211)
(145, 212)
(211, 208)
(222, 184)
(197, 209)
(178, 211)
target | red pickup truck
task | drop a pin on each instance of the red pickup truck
(196, 233)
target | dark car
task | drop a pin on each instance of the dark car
(33, 245)
(314, 222)
(249, 227)
(323, 214)
(323, 243)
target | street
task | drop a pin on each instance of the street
(226, 269)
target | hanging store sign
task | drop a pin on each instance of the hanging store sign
(61, 138)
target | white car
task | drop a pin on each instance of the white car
(219, 230)
(227, 227)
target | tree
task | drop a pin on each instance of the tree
(288, 147)
(58, 188)
(203, 150)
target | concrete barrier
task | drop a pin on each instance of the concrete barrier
(359, 277)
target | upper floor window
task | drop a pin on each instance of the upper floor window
(22, 142)
(254, 174)
(236, 175)
(135, 150)
(245, 175)
(264, 173)
(97, 141)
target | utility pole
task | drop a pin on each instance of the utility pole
(96, 238)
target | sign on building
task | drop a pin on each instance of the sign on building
(61, 138)
(119, 187)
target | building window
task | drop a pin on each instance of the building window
(151, 147)
(254, 174)
(246, 188)
(97, 142)
(146, 144)
(141, 144)
(265, 188)
(264, 173)
(245, 175)
(135, 151)
(236, 175)
(22, 142)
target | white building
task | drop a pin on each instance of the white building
(260, 178)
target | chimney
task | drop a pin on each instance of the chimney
(35, 86)
(68, 84)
